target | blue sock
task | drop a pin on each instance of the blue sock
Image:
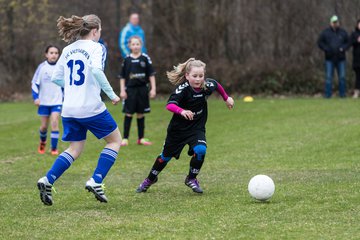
(42, 136)
(60, 165)
(106, 160)
(54, 139)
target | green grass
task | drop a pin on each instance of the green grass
(310, 147)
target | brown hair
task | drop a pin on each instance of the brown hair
(73, 28)
(177, 75)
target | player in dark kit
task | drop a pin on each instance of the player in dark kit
(137, 72)
(187, 127)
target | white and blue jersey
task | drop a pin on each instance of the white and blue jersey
(43, 89)
(81, 89)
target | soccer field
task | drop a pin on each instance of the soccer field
(309, 147)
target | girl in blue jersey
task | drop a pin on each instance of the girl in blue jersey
(136, 74)
(48, 97)
(80, 72)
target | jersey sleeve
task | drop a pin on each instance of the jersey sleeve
(103, 82)
(122, 73)
(177, 96)
(99, 57)
(35, 83)
(149, 68)
(58, 74)
(211, 85)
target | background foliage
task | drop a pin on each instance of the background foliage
(252, 46)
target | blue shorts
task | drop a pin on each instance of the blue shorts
(47, 110)
(75, 129)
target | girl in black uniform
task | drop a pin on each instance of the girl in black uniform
(137, 72)
(187, 126)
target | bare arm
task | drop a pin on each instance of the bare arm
(152, 86)
(123, 94)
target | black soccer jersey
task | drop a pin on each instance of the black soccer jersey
(136, 71)
(187, 98)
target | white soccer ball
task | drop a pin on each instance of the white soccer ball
(261, 187)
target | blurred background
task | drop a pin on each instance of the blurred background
(251, 46)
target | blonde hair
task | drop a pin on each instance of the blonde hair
(73, 28)
(135, 37)
(177, 76)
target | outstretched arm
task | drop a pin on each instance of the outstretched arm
(105, 85)
(229, 101)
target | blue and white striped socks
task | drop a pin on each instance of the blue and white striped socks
(63, 162)
(106, 160)
(54, 139)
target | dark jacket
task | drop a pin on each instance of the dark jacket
(334, 43)
(356, 48)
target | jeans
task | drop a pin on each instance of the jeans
(329, 71)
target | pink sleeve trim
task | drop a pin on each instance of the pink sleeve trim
(174, 108)
(221, 91)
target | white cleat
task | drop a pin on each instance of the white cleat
(45, 191)
(97, 189)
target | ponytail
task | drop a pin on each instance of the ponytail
(177, 75)
(73, 28)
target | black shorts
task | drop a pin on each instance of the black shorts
(137, 100)
(174, 143)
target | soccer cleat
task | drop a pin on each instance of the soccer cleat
(41, 148)
(45, 191)
(124, 142)
(54, 152)
(145, 185)
(97, 189)
(144, 141)
(193, 184)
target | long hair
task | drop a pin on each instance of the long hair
(177, 75)
(73, 28)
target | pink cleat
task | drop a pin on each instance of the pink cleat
(144, 141)
(124, 142)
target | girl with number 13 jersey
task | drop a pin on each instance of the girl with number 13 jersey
(80, 71)
(81, 98)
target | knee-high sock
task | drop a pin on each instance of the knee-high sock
(106, 160)
(141, 127)
(127, 125)
(54, 139)
(195, 166)
(158, 166)
(43, 135)
(62, 162)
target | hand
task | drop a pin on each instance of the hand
(115, 100)
(152, 93)
(123, 95)
(189, 115)
(341, 49)
(358, 39)
(230, 103)
(37, 102)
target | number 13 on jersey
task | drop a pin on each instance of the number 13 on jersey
(78, 78)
